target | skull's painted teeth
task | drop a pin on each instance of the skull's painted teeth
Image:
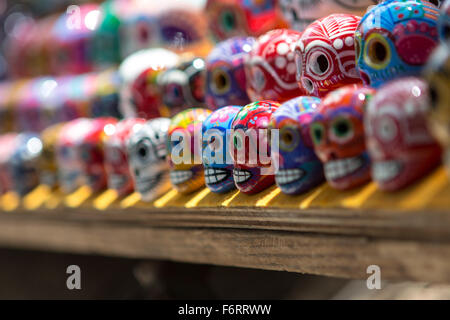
(337, 169)
(116, 181)
(241, 176)
(145, 184)
(213, 176)
(288, 176)
(180, 176)
(386, 170)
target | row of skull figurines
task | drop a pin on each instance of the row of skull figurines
(393, 39)
(353, 135)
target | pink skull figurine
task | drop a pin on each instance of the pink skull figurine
(325, 54)
(270, 67)
(250, 145)
(398, 140)
(337, 131)
(116, 157)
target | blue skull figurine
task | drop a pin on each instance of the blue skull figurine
(215, 130)
(299, 169)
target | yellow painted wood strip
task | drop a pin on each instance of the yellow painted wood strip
(54, 200)
(10, 201)
(131, 200)
(423, 193)
(265, 201)
(227, 201)
(358, 200)
(37, 197)
(197, 198)
(78, 197)
(105, 199)
(162, 201)
(307, 202)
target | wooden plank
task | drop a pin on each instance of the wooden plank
(413, 225)
(339, 256)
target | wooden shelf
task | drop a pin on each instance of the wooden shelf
(324, 232)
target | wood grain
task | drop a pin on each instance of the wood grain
(407, 225)
(324, 253)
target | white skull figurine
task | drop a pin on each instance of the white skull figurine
(147, 153)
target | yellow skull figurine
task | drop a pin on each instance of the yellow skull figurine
(49, 169)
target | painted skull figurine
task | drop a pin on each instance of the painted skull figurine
(325, 54)
(73, 40)
(216, 133)
(116, 156)
(399, 142)
(138, 30)
(270, 67)
(139, 95)
(105, 102)
(252, 175)
(299, 170)
(444, 22)
(184, 142)
(184, 28)
(147, 154)
(183, 86)
(225, 77)
(24, 162)
(68, 156)
(91, 151)
(337, 131)
(437, 74)
(7, 146)
(229, 18)
(395, 39)
(301, 13)
(47, 164)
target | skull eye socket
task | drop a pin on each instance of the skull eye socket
(445, 33)
(143, 149)
(317, 133)
(434, 96)
(342, 129)
(378, 52)
(221, 81)
(437, 3)
(259, 79)
(319, 63)
(387, 129)
(289, 138)
(143, 34)
(228, 20)
(238, 142)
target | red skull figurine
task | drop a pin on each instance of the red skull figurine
(337, 131)
(116, 158)
(398, 139)
(91, 152)
(325, 54)
(250, 150)
(270, 67)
